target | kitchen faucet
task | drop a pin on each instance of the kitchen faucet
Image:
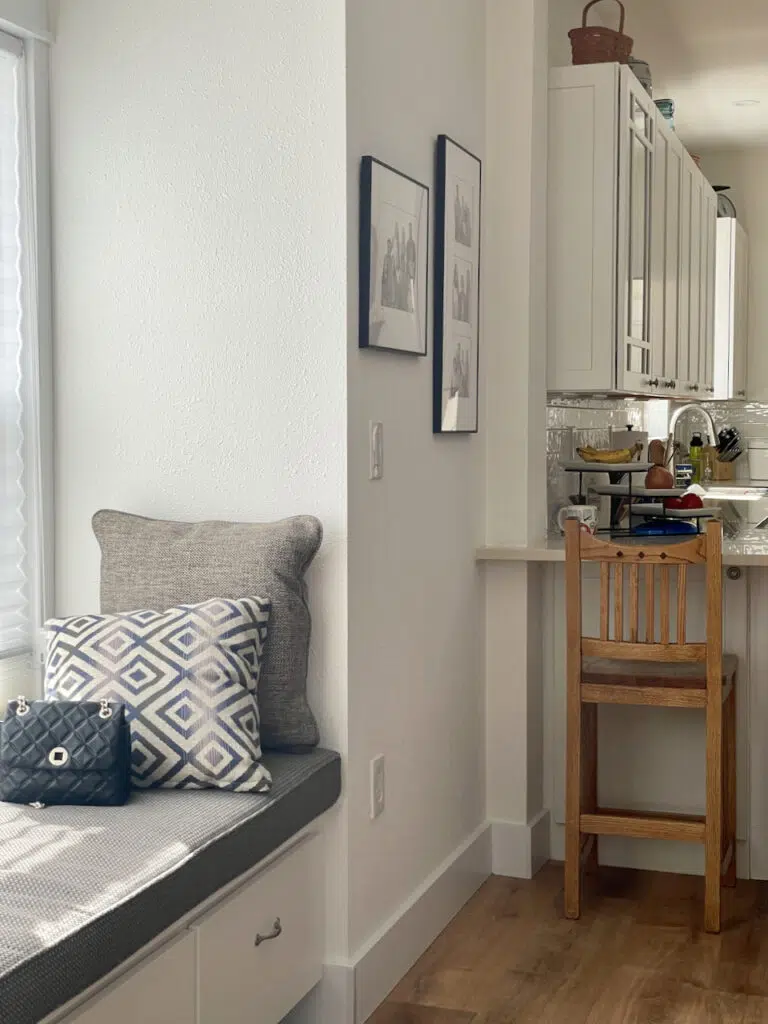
(678, 412)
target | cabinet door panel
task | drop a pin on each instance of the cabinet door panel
(158, 990)
(740, 312)
(711, 220)
(581, 215)
(636, 137)
(665, 257)
(693, 377)
(684, 297)
(260, 952)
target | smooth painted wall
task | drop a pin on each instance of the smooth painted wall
(200, 309)
(416, 601)
(746, 170)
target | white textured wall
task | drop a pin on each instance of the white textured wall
(200, 248)
(746, 170)
(416, 664)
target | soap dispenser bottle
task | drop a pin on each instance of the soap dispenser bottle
(697, 446)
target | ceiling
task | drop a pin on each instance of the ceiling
(710, 56)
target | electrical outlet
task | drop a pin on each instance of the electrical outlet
(376, 439)
(378, 787)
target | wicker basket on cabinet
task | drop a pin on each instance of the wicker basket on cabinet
(596, 44)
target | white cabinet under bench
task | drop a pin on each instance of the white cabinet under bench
(631, 243)
(248, 959)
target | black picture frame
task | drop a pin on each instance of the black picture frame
(455, 397)
(393, 290)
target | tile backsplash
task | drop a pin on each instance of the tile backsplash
(573, 423)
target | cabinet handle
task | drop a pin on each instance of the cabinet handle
(654, 383)
(670, 383)
(741, 392)
(711, 390)
(694, 387)
(277, 930)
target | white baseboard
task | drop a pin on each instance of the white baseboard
(520, 849)
(330, 1002)
(393, 950)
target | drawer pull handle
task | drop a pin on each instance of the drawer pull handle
(277, 930)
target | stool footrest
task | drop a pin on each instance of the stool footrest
(642, 825)
(655, 696)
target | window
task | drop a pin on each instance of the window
(22, 605)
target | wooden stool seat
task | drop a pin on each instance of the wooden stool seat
(639, 659)
(654, 683)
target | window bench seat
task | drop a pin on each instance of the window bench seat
(82, 889)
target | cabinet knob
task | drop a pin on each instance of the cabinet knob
(711, 390)
(653, 383)
(670, 383)
(694, 387)
(741, 392)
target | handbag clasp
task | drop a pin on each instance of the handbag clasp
(58, 757)
(22, 708)
(105, 711)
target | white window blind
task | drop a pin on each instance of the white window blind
(19, 583)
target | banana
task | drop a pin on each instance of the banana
(609, 457)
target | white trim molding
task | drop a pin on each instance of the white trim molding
(350, 991)
(27, 19)
(398, 944)
(520, 849)
(330, 1002)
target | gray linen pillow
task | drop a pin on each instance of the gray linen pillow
(158, 564)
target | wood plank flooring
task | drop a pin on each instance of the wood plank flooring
(638, 955)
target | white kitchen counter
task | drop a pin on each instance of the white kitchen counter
(750, 547)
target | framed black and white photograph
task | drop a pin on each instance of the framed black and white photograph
(394, 242)
(457, 289)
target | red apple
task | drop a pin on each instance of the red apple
(691, 501)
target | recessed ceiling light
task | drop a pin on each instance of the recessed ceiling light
(746, 103)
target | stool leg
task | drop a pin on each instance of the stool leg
(713, 844)
(589, 798)
(729, 783)
(573, 789)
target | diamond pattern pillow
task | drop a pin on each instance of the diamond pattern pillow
(188, 678)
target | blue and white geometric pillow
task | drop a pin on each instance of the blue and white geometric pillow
(188, 678)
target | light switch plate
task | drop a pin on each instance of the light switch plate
(378, 787)
(376, 445)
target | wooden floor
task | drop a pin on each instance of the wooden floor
(637, 955)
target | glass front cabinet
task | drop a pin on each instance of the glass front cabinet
(631, 243)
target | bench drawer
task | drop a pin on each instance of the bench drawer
(158, 990)
(248, 974)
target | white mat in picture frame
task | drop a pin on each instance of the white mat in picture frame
(394, 244)
(457, 289)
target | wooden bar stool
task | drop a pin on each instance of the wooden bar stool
(620, 669)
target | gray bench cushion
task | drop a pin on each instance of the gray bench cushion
(84, 888)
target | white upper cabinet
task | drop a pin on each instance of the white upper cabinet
(665, 258)
(730, 320)
(631, 243)
(636, 135)
(581, 214)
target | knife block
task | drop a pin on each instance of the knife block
(722, 471)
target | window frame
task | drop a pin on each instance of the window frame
(37, 351)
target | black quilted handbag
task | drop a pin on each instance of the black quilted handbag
(65, 752)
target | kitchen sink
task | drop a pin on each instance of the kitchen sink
(735, 492)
